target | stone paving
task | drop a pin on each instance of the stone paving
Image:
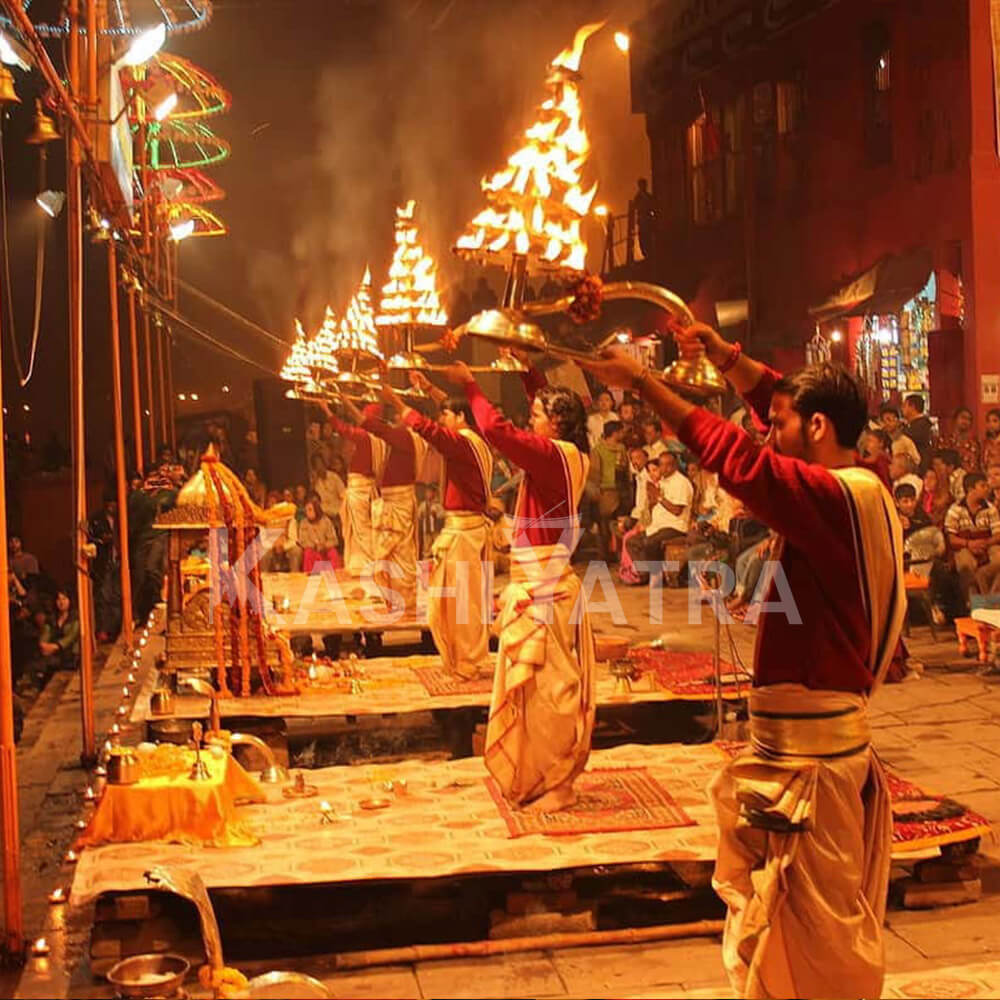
(942, 730)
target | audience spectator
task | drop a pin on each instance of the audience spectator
(22, 564)
(924, 552)
(102, 532)
(430, 519)
(919, 428)
(973, 530)
(993, 483)
(947, 465)
(634, 526)
(963, 440)
(301, 495)
(902, 443)
(637, 461)
(602, 414)
(901, 471)
(256, 487)
(749, 567)
(652, 438)
(327, 485)
(706, 485)
(318, 538)
(936, 498)
(874, 445)
(284, 554)
(608, 475)
(991, 442)
(669, 504)
(628, 414)
(59, 642)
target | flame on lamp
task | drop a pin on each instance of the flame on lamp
(357, 334)
(296, 366)
(410, 297)
(537, 202)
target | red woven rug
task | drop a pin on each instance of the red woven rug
(438, 682)
(686, 675)
(920, 819)
(611, 800)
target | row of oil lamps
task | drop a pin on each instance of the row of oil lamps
(92, 792)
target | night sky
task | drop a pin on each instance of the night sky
(341, 108)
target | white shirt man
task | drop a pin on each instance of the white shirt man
(678, 491)
(602, 415)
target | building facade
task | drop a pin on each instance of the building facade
(835, 163)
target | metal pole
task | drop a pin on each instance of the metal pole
(74, 226)
(148, 344)
(10, 838)
(168, 344)
(136, 393)
(161, 347)
(120, 467)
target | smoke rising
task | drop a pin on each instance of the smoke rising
(433, 99)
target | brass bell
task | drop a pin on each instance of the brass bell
(44, 130)
(695, 375)
(8, 95)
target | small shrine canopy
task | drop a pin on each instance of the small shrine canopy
(882, 290)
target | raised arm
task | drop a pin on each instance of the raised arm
(791, 496)
(346, 430)
(451, 444)
(395, 437)
(531, 452)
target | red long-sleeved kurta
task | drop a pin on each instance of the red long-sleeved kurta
(546, 514)
(463, 480)
(400, 465)
(361, 458)
(804, 503)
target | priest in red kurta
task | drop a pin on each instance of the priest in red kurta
(460, 594)
(542, 710)
(363, 472)
(394, 510)
(804, 818)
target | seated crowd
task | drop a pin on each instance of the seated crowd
(647, 500)
(947, 492)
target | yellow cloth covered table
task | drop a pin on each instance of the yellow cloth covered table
(176, 809)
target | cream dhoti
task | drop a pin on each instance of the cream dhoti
(394, 517)
(542, 711)
(356, 521)
(458, 599)
(805, 821)
(805, 840)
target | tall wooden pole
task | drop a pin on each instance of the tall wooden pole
(10, 838)
(120, 462)
(74, 227)
(133, 340)
(147, 341)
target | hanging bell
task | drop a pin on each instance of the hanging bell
(694, 375)
(8, 95)
(44, 129)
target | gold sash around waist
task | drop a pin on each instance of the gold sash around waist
(358, 481)
(789, 720)
(402, 492)
(463, 520)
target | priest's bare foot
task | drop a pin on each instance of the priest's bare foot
(559, 798)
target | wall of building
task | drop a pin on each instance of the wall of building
(940, 190)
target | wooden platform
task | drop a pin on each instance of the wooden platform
(332, 603)
(446, 825)
(393, 685)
